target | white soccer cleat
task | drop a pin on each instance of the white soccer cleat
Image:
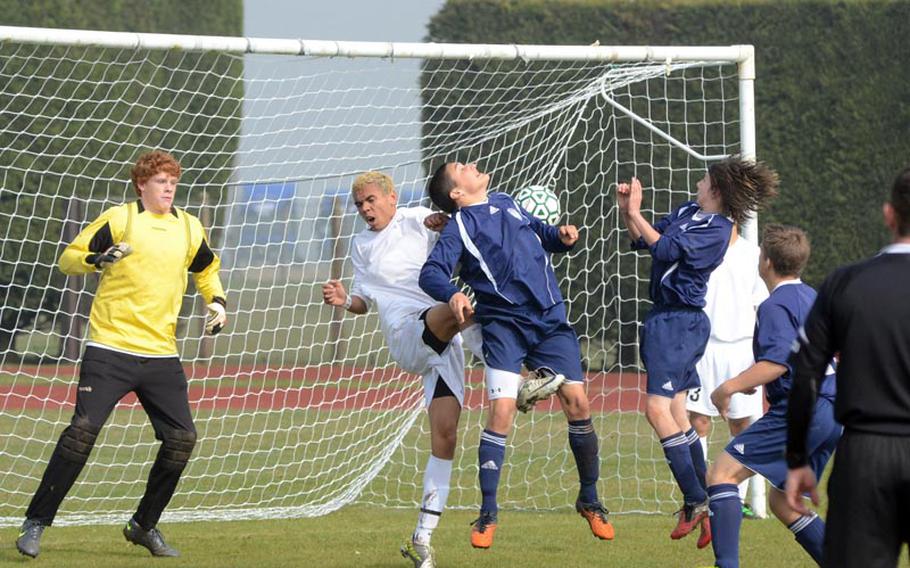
(538, 385)
(422, 555)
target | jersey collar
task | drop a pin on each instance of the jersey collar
(140, 208)
(787, 282)
(896, 248)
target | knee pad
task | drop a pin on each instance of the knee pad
(176, 448)
(77, 440)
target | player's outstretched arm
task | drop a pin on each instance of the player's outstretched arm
(436, 274)
(568, 235)
(638, 226)
(334, 294)
(761, 373)
(552, 238)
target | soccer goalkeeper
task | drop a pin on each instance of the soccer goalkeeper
(142, 251)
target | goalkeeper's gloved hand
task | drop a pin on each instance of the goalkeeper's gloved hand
(111, 255)
(217, 317)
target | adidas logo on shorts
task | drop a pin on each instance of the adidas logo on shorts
(741, 448)
(667, 386)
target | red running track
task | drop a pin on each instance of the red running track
(325, 388)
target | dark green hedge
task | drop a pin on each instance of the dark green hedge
(54, 147)
(832, 90)
(833, 114)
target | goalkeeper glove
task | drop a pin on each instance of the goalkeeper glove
(111, 255)
(217, 317)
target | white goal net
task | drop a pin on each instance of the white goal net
(298, 407)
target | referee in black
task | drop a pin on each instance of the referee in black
(862, 313)
(143, 252)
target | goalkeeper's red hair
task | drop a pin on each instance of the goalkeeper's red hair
(152, 163)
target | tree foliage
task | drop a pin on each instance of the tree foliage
(75, 118)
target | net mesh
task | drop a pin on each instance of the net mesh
(299, 409)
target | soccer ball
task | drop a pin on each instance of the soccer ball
(540, 202)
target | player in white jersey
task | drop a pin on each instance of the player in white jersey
(735, 290)
(422, 334)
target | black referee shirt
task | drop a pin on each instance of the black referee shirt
(862, 313)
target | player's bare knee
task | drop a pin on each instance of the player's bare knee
(77, 440)
(656, 409)
(725, 469)
(442, 323)
(575, 404)
(445, 432)
(176, 448)
(444, 441)
(502, 415)
(777, 500)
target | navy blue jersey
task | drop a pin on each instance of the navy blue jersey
(503, 251)
(692, 244)
(778, 322)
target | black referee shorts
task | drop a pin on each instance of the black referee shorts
(106, 376)
(868, 501)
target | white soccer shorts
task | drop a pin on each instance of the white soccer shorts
(501, 384)
(408, 349)
(723, 361)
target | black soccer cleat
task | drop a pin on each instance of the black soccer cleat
(29, 541)
(150, 539)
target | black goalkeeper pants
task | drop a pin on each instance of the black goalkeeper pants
(104, 378)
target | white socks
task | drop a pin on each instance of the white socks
(436, 479)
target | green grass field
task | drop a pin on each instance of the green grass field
(293, 457)
(369, 535)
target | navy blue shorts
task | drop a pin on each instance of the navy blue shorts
(512, 336)
(671, 343)
(762, 445)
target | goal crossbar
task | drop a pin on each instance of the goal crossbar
(321, 48)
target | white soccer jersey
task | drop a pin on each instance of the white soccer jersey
(387, 266)
(734, 292)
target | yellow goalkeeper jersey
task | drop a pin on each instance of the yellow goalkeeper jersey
(138, 298)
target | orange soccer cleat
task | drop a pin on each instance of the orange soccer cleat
(596, 515)
(483, 529)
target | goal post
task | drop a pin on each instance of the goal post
(299, 410)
